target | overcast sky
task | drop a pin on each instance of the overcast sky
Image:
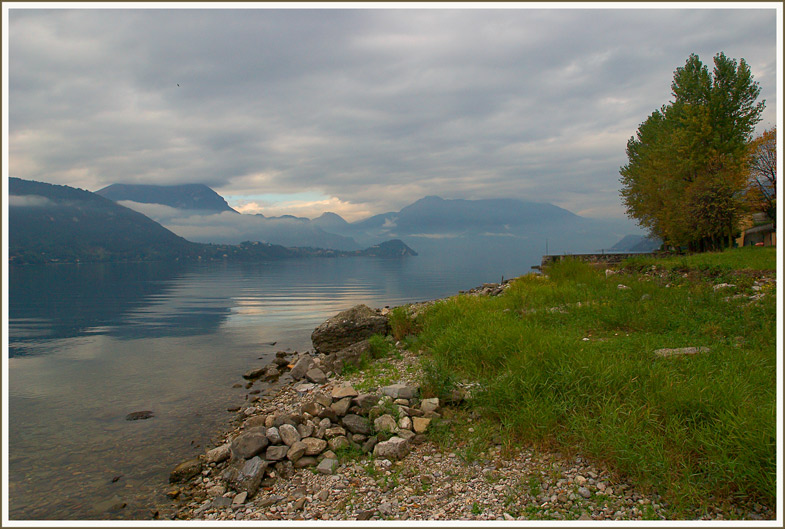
(357, 111)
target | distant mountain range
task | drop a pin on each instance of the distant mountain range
(421, 222)
(61, 222)
(51, 223)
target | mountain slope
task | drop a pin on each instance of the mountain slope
(49, 222)
(197, 197)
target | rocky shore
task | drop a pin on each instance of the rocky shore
(323, 445)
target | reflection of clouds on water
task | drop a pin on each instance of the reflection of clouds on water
(171, 339)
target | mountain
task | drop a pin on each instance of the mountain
(195, 197)
(391, 248)
(199, 214)
(329, 221)
(636, 243)
(59, 223)
(52, 223)
(434, 216)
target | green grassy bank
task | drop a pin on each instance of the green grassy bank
(568, 361)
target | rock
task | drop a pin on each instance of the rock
(233, 408)
(219, 453)
(583, 491)
(249, 476)
(385, 423)
(305, 462)
(368, 445)
(347, 356)
(306, 429)
(316, 376)
(185, 471)
(388, 508)
(339, 442)
(271, 372)
(222, 502)
(348, 327)
(216, 490)
(270, 501)
(252, 374)
(356, 424)
(343, 391)
(304, 387)
(273, 435)
(366, 401)
(289, 434)
(276, 452)
(723, 286)
(400, 391)
(405, 423)
(296, 451)
(364, 515)
(342, 406)
(113, 504)
(395, 448)
(247, 445)
(328, 413)
(139, 415)
(406, 434)
(301, 367)
(321, 398)
(335, 431)
(429, 405)
(240, 498)
(172, 492)
(254, 422)
(683, 351)
(420, 424)
(324, 424)
(411, 412)
(314, 446)
(322, 495)
(327, 466)
(312, 408)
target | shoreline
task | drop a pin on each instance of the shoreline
(432, 480)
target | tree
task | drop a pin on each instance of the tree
(685, 179)
(763, 173)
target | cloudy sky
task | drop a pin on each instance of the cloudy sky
(357, 111)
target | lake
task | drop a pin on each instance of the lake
(90, 343)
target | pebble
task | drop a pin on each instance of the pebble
(429, 483)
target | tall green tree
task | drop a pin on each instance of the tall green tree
(685, 177)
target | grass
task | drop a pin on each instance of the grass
(570, 360)
(747, 257)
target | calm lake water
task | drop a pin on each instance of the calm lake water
(89, 344)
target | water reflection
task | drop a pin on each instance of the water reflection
(90, 343)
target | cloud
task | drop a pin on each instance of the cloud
(303, 208)
(370, 108)
(28, 201)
